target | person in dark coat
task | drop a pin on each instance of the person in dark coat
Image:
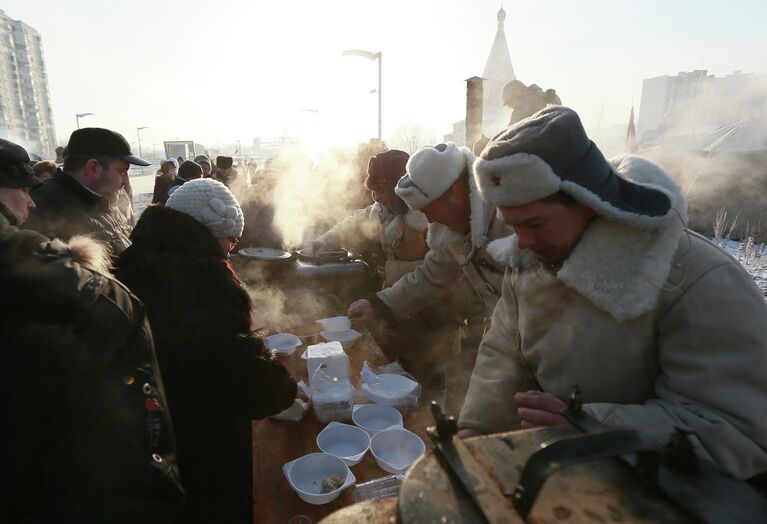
(86, 435)
(81, 199)
(162, 182)
(187, 171)
(217, 374)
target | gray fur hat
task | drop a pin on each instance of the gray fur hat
(550, 152)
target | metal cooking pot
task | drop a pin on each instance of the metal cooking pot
(266, 254)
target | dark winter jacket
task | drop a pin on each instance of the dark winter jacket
(175, 184)
(161, 186)
(65, 208)
(216, 373)
(85, 433)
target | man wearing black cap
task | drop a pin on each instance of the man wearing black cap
(81, 199)
(85, 429)
(605, 287)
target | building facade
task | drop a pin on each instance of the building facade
(25, 105)
(695, 103)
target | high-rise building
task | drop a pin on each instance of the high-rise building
(25, 104)
(695, 102)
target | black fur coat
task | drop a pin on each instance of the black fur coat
(217, 375)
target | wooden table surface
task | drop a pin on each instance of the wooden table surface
(277, 442)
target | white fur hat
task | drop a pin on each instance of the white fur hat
(209, 202)
(430, 173)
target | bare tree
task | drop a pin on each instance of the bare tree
(411, 137)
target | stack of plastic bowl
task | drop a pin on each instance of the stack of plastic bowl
(390, 389)
(339, 329)
(306, 475)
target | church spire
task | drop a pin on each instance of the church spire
(498, 66)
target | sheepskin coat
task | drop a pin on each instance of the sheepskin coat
(430, 336)
(216, 374)
(459, 265)
(86, 435)
(659, 327)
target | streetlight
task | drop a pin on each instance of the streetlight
(138, 133)
(78, 116)
(370, 56)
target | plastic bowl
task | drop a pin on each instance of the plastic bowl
(376, 417)
(306, 473)
(283, 344)
(335, 323)
(347, 337)
(390, 389)
(347, 442)
(395, 450)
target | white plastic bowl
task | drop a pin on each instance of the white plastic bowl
(283, 344)
(376, 417)
(347, 442)
(305, 476)
(347, 337)
(395, 450)
(390, 389)
(335, 323)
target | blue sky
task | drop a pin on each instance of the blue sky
(231, 70)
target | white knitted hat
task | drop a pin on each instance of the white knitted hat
(430, 173)
(210, 203)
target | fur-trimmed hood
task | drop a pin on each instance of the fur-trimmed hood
(620, 267)
(481, 217)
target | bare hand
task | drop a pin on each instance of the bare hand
(469, 433)
(301, 395)
(537, 409)
(361, 312)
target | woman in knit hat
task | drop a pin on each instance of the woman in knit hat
(217, 374)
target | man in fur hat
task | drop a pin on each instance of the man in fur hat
(424, 343)
(461, 225)
(86, 432)
(606, 287)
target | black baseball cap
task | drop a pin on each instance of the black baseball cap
(15, 170)
(102, 142)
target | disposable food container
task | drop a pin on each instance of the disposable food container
(395, 450)
(376, 417)
(306, 475)
(349, 443)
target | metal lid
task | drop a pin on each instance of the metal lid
(264, 253)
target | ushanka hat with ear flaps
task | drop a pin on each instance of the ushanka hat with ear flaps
(550, 152)
(430, 173)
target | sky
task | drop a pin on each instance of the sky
(223, 71)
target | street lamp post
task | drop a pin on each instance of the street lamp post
(370, 56)
(78, 116)
(138, 133)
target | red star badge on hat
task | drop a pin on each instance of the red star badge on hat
(496, 180)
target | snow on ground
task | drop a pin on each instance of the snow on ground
(751, 256)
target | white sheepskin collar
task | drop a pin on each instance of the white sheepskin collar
(440, 235)
(394, 225)
(620, 267)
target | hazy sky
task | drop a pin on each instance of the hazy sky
(225, 70)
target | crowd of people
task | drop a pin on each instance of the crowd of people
(132, 368)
